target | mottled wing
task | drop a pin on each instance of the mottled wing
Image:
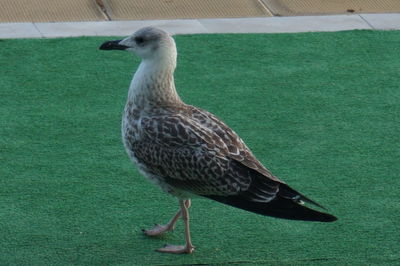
(263, 185)
(236, 147)
(197, 157)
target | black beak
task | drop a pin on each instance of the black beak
(113, 45)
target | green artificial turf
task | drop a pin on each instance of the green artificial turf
(321, 110)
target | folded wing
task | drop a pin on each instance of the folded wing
(196, 152)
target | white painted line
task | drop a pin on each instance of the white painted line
(18, 30)
(116, 28)
(285, 24)
(383, 21)
(198, 26)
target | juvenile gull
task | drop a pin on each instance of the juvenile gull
(188, 151)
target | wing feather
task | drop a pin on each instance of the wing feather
(196, 152)
(192, 150)
(236, 146)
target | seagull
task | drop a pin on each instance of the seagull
(190, 152)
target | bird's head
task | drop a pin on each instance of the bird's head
(149, 43)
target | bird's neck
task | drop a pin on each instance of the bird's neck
(153, 84)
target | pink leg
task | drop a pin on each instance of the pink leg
(158, 230)
(188, 248)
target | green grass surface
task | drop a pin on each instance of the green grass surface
(321, 110)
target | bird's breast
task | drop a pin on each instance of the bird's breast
(140, 156)
(130, 128)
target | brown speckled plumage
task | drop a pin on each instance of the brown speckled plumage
(188, 151)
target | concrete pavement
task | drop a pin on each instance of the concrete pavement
(199, 26)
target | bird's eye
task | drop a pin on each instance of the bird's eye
(139, 40)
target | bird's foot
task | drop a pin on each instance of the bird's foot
(158, 230)
(177, 249)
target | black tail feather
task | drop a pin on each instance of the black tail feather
(288, 192)
(279, 207)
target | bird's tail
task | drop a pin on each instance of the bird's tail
(279, 207)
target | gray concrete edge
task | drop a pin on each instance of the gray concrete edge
(201, 26)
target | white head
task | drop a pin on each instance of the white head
(149, 43)
(153, 81)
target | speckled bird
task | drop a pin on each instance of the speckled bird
(190, 152)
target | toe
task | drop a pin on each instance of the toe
(176, 249)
